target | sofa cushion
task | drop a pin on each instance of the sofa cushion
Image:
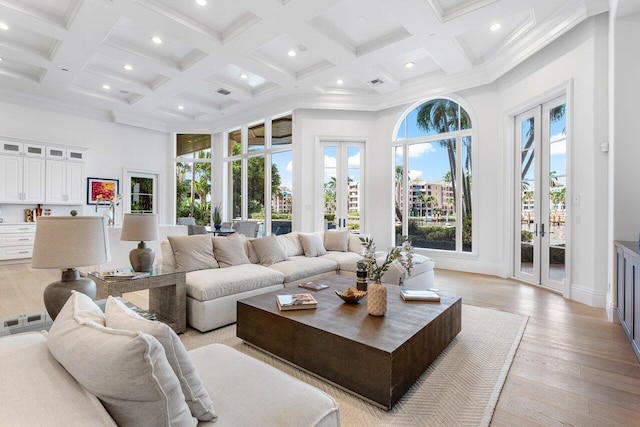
(299, 267)
(355, 244)
(205, 285)
(337, 240)
(312, 244)
(252, 393)
(347, 261)
(230, 251)
(291, 243)
(268, 250)
(127, 371)
(119, 316)
(193, 252)
(37, 391)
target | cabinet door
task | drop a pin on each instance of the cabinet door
(635, 327)
(11, 179)
(55, 187)
(33, 180)
(11, 147)
(75, 183)
(629, 273)
(620, 283)
(34, 150)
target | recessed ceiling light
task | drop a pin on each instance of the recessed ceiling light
(202, 2)
(409, 64)
(244, 76)
(1, 58)
(495, 27)
(291, 52)
(156, 40)
(106, 87)
(180, 107)
(3, 26)
(339, 81)
(127, 67)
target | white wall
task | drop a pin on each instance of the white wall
(111, 147)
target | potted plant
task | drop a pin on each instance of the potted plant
(403, 254)
(217, 217)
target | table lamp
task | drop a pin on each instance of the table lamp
(68, 242)
(138, 228)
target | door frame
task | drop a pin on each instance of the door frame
(565, 89)
(319, 178)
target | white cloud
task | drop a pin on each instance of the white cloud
(413, 174)
(329, 162)
(417, 150)
(559, 147)
(354, 161)
(289, 167)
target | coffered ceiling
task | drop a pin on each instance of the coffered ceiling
(230, 59)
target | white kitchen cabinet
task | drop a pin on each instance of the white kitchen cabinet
(64, 182)
(22, 172)
(16, 241)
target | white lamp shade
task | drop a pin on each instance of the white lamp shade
(140, 227)
(67, 242)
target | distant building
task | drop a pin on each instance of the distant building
(281, 203)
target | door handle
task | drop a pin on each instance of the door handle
(542, 230)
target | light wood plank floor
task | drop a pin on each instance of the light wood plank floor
(573, 367)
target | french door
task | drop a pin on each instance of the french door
(342, 185)
(540, 195)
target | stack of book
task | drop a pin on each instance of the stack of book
(121, 275)
(296, 302)
(418, 295)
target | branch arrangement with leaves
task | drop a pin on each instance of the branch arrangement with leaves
(402, 254)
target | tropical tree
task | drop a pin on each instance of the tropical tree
(527, 155)
(399, 179)
(443, 116)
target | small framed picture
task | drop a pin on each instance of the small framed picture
(101, 190)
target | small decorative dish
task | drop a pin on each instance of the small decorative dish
(351, 295)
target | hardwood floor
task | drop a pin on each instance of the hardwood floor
(573, 367)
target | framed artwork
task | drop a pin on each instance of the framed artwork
(101, 190)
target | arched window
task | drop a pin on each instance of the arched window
(433, 185)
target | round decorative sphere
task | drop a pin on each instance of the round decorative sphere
(73, 212)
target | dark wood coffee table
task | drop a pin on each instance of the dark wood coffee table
(378, 358)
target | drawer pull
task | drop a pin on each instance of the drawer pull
(23, 252)
(22, 240)
(23, 228)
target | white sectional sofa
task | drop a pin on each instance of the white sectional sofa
(222, 270)
(95, 369)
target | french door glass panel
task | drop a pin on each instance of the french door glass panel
(342, 185)
(541, 184)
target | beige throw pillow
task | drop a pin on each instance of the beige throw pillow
(291, 243)
(312, 244)
(229, 251)
(268, 250)
(193, 252)
(128, 371)
(119, 316)
(336, 240)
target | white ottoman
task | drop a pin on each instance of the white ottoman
(421, 275)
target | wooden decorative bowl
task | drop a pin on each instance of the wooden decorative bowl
(351, 295)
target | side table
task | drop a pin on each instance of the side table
(167, 293)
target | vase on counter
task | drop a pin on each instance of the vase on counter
(377, 299)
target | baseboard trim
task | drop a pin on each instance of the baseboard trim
(588, 296)
(470, 266)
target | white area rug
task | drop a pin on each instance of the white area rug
(460, 388)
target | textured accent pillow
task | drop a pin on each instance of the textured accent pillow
(355, 245)
(268, 250)
(336, 240)
(229, 251)
(193, 252)
(127, 371)
(312, 244)
(291, 243)
(119, 316)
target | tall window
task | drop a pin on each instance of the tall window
(193, 178)
(259, 163)
(433, 153)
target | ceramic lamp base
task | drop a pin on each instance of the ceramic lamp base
(141, 259)
(57, 293)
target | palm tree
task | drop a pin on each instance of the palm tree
(442, 116)
(527, 154)
(399, 175)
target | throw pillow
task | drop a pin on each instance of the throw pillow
(128, 371)
(312, 244)
(291, 243)
(193, 252)
(119, 316)
(229, 251)
(336, 240)
(268, 250)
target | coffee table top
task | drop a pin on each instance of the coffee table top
(352, 321)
